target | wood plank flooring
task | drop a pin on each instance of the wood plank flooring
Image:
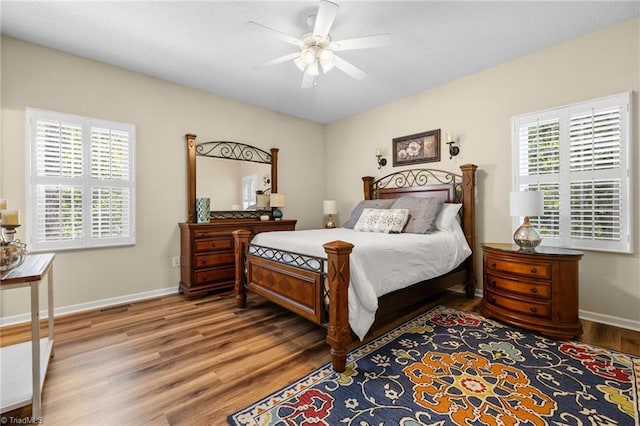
(170, 361)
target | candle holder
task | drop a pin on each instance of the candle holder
(13, 252)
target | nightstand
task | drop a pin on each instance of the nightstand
(533, 290)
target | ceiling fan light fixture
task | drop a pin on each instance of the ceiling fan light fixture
(326, 60)
(300, 63)
(308, 56)
(312, 69)
(317, 47)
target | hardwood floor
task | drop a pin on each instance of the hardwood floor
(170, 361)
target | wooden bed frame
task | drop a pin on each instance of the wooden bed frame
(319, 293)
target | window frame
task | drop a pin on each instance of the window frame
(86, 181)
(565, 176)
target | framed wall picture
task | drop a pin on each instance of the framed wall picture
(419, 148)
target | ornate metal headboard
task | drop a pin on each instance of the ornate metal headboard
(417, 183)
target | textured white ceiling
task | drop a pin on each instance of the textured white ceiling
(206, 44)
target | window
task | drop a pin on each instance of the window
(580, 157)
(81, 181)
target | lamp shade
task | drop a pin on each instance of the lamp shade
(526, 203)
(278, 200)
(330, 207)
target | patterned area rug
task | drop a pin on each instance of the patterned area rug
(450, 367)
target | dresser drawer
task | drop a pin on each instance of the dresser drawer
(274, 227)
(527, 307)
(529, 269)
(534, 289)
(211, 233)
(215, 259)
(218, 274)
(214, 244)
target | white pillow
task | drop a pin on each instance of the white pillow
(382, 220)
(448, 214)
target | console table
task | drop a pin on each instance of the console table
(24, 365)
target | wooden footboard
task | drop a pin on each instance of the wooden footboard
(301, 290)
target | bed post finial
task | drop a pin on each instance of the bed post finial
(469, 221)
(368, 187)
(338, 330)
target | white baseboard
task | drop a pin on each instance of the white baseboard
(72, 309)
(586, 315)
(610, 320)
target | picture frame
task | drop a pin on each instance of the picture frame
(419, 148)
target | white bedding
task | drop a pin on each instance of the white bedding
(380, 263)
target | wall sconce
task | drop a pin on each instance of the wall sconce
(381, 160)
(453, 149)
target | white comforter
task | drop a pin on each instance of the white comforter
(380, 263)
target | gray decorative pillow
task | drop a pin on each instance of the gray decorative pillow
(371, 204)
(388, 221)
(422, 213)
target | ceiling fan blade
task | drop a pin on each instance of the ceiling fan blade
(280, 60)
(307, 81)
(327, 12)
(348, 68)
(282, 36)
(367, 42)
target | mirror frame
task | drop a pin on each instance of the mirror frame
(230, 151)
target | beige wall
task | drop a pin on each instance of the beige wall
(479, 109)
(162, 112)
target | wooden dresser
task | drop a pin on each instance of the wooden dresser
(206, 252)
(533, 290)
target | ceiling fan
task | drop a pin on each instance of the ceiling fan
(317, 50)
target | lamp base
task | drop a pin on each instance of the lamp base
(526, 237)
(277, 214)
(330, 223)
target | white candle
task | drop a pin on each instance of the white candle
(450, 137)
(3, 204)
(10, 217)
(378, 152)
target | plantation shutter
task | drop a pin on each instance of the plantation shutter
(110, 174)
(81, 186)
(579, 156)
(595, 137)
(539, 168)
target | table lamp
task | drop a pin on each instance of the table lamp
(330, 207)
(527, 204)
(277, 200)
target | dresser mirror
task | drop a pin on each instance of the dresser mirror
(230, 174)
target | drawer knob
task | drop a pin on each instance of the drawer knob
(534, 271)
(493, 264)
(493, 282)
(534, 290)
(534, 309)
